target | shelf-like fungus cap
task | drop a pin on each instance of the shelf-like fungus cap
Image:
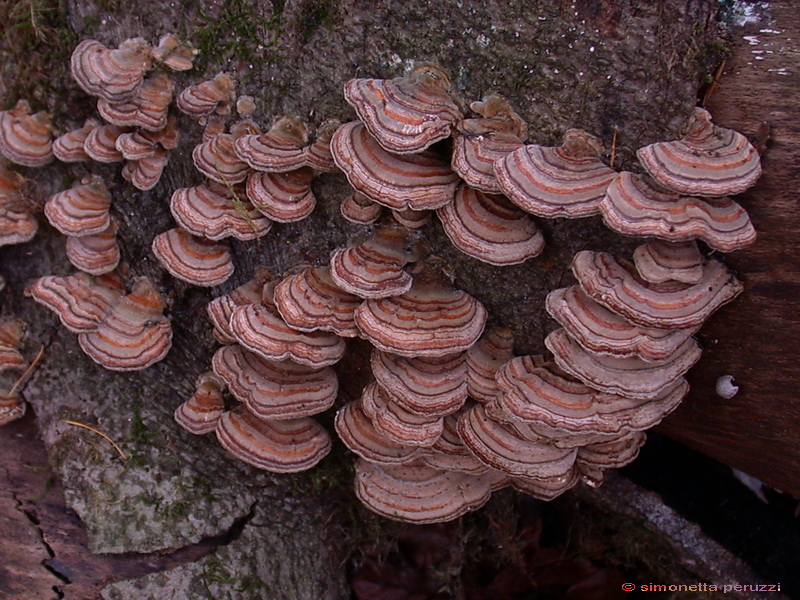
(17, 224)
(546, 489)
(279, 150)
(538, 395)
(318, 154)
(502, 447)
(658, 261)
(613, 454)
(12, 407)
(417, 493)
(26, 139)
(115, 75)
(145, 174)
(141, 144)
(449, 453)
(200, 413)
(217, 160)
(216, 211)
(95, 254)
(80, 300)
(358, 433)
(282, 197)
(374, 268)
(494, 349)
(566, 181)
(133, 335)
(69, 147)
(635, 205)
(221, 308)
(193, 259)
(311, 300)
(12, 331)
(359, 209)
(430, 319)
(670, 305)
(602, 331)
(148, 109)
(274, 390)
(288, 446)
(417, 181)
(708, 161)
(176, 54)
(627, 376)
(395, 422)
(81, 210)
(433, 387)
(101, 144)
(412, 219)
(406, 114)
(212, 96)
(490, 228)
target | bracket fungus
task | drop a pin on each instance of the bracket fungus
(148, 109)
(97, 253)
(101, 144)
(213, 96)
(359, 209)
(17, 224)
(69, 147)
(115, 75)
(81, 210)
(26, 139)
(494, 349)
(193, 259)
(279, 150)
(12, 332)
(216, 158)
(221, 308)
(658, 261)
(201, 412)
(357, 432)
(282, 197)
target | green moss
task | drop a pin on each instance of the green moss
(313, 15)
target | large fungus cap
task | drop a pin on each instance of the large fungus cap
(217, 160)
(275, 390)
(81, 210)
(200, 413)
(101, 144)
(115, 75)
(708, 161)
(206, 97)
(145, 174)
(433, 387)
(492, 351)
(658, 261)
(26, 139)
(311, 300)
(635, 205)
(430, 319)
(631, 377)
(12, 331)
(69, 147)
(406, 114)
(359, 209)
(417, 493)
(133, 335)
(278, 150)
(318, 155)
(95, 254)
(670, 305)
(538, 395)
(395, 422)
(80, 300)
(148, 109)
(282, 197)
(216, 211)
(566, 181)
(221, 308)
(600, 330)
(418, 181)
(358, 433)
(192, 259)
(490, 228)
(288, 446)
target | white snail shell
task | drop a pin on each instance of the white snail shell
(725, 387)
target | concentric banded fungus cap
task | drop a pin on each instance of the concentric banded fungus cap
(432, 387)
(288, 446)
(278, 150)
(260, 329)
(12, 407)
(69, 147)
(708, 161)
(217, 211)
(174, 53)
(492, 351)
(81, 210)
(144, 174)
(406, 114)
(133, 335)
(192, 259)
(490, 228)
(669, 305)
(658, 261)
(633, 205)
(215, 95)
(200, 413)
(546, 489)
(310, 300)
(567, 181)
(630, 377)
(26, 139)
(101, 144)
(217, 160)
(412, 219)
(282, 197)
(417, 181)
(147, 109)
(318, 154)
(602, 331)
(359, 209)
(12, 332)
(374, 268)
(396, 423)
(358, 433)
(417, 493)
(449, 453)
(141, 144)
(80, 300)
(541, 395)
(17, 224)
(504, 448)
(613, 454)
(95, 254)
(275, 390)
(221, 308)
(431, 319)
(115, 75)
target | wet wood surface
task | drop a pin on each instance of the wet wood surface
(755, 338)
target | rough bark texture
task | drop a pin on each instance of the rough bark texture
(630, 67)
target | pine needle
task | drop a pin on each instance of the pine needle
(101, 434)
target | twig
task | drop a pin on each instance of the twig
(714, 82)
(613, 148)
(101, 434)
(27, 372)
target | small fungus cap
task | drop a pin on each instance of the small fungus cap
(358, 433)
(200, 413)
(95, 254)
(81, 210)
(658, 261)
(278, 150)
(26, 139)
(114, 75)
(282, 197)
(494, 349)
(193, 259)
